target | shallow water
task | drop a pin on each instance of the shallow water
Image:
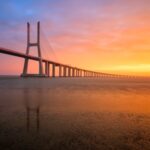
(74, 114)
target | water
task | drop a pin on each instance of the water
(74, 114)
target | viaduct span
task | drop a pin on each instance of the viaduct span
(64, 70)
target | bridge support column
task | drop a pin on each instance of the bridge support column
(85, 74)
(76, 72)
(91, 74)
(53, 70)
(47, 69)
(64, 73)
(37, 44)
(73, 72)
(60, 71)
(80, 73)
(69, 72)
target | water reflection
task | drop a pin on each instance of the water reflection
(32, 101)
(37, 111)
(79, 115)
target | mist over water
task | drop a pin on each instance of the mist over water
(74, 114)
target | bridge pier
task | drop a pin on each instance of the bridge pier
(80, 71)
(60, 71)
(69, 72)
(85, 73)
(36, 44)
(93, 74)
(47, 69)
(73, 72)
(64, 71)
(76, 72)
(53, 70)
(89, 73)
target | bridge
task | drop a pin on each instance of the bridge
(64, 70)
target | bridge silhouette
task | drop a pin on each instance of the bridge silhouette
(64, 70)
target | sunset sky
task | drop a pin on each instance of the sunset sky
(102, 35)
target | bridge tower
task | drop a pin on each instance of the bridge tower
(36, 44)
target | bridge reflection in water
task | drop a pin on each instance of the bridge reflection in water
(32, 105)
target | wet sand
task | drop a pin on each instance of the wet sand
(74, 114)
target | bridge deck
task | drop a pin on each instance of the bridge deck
(22, 55)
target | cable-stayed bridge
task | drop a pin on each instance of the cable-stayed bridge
(64, 70)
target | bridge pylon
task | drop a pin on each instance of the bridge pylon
(36, 44)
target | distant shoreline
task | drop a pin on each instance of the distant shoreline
(129, 79)
(9, 76)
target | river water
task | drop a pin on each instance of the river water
(74, 114)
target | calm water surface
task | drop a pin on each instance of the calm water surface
(74, 114)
